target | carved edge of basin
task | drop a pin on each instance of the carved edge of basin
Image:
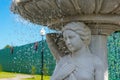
(57, 12)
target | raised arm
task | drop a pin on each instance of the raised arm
(53, 48)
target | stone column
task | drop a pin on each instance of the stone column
(98, 47)
(98, 44)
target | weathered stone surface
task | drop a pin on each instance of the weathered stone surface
(57, 12)
(109, 6)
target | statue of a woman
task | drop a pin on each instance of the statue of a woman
(80, 64)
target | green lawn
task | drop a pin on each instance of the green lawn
(38, 77)
(7, 75)
(11, 75)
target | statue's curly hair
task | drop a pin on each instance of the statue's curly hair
(81, 29)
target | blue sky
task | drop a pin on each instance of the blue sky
(13, 30)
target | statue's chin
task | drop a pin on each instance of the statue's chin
(73, 50)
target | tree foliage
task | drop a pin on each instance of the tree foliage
(7, 46)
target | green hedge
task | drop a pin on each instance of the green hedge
(114, 56)
(24, 58)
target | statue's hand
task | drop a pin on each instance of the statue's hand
(65, 70)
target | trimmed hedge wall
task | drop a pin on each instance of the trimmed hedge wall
(25, 58)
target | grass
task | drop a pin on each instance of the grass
(38, 77)
(7, 75)
(11, 75)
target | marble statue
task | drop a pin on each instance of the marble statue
(80, 64)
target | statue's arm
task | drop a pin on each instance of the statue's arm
(53, 48)
(99, 70)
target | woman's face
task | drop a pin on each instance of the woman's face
(72, 40)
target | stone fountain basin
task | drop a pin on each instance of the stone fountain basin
(54, 13)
